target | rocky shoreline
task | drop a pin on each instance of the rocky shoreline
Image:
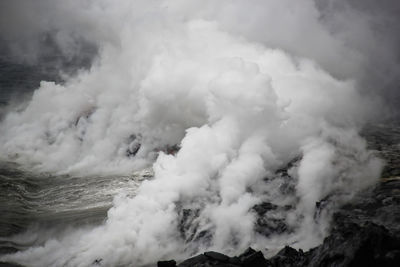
(364, 232)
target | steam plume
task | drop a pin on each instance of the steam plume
(243, 88)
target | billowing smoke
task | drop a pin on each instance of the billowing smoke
(264, 100)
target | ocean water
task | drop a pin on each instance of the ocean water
(35, 207)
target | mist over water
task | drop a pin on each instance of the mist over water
(264, 100)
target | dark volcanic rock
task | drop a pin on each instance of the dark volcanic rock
(270, 226)
(380, 206)
(289, 256)
(247, 253)
(385, 139)
(170, 263)
(198, 260)
(216, 256)
(263, 208)
(365, 232)
(352, 244)
(255, 259)
(250, 258)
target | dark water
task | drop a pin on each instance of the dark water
(35, 207)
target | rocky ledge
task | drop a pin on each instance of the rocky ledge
(364, 233)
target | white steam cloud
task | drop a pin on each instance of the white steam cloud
(243, 87)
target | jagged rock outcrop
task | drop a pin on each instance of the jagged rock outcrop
(250, 258)
(364, 232)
